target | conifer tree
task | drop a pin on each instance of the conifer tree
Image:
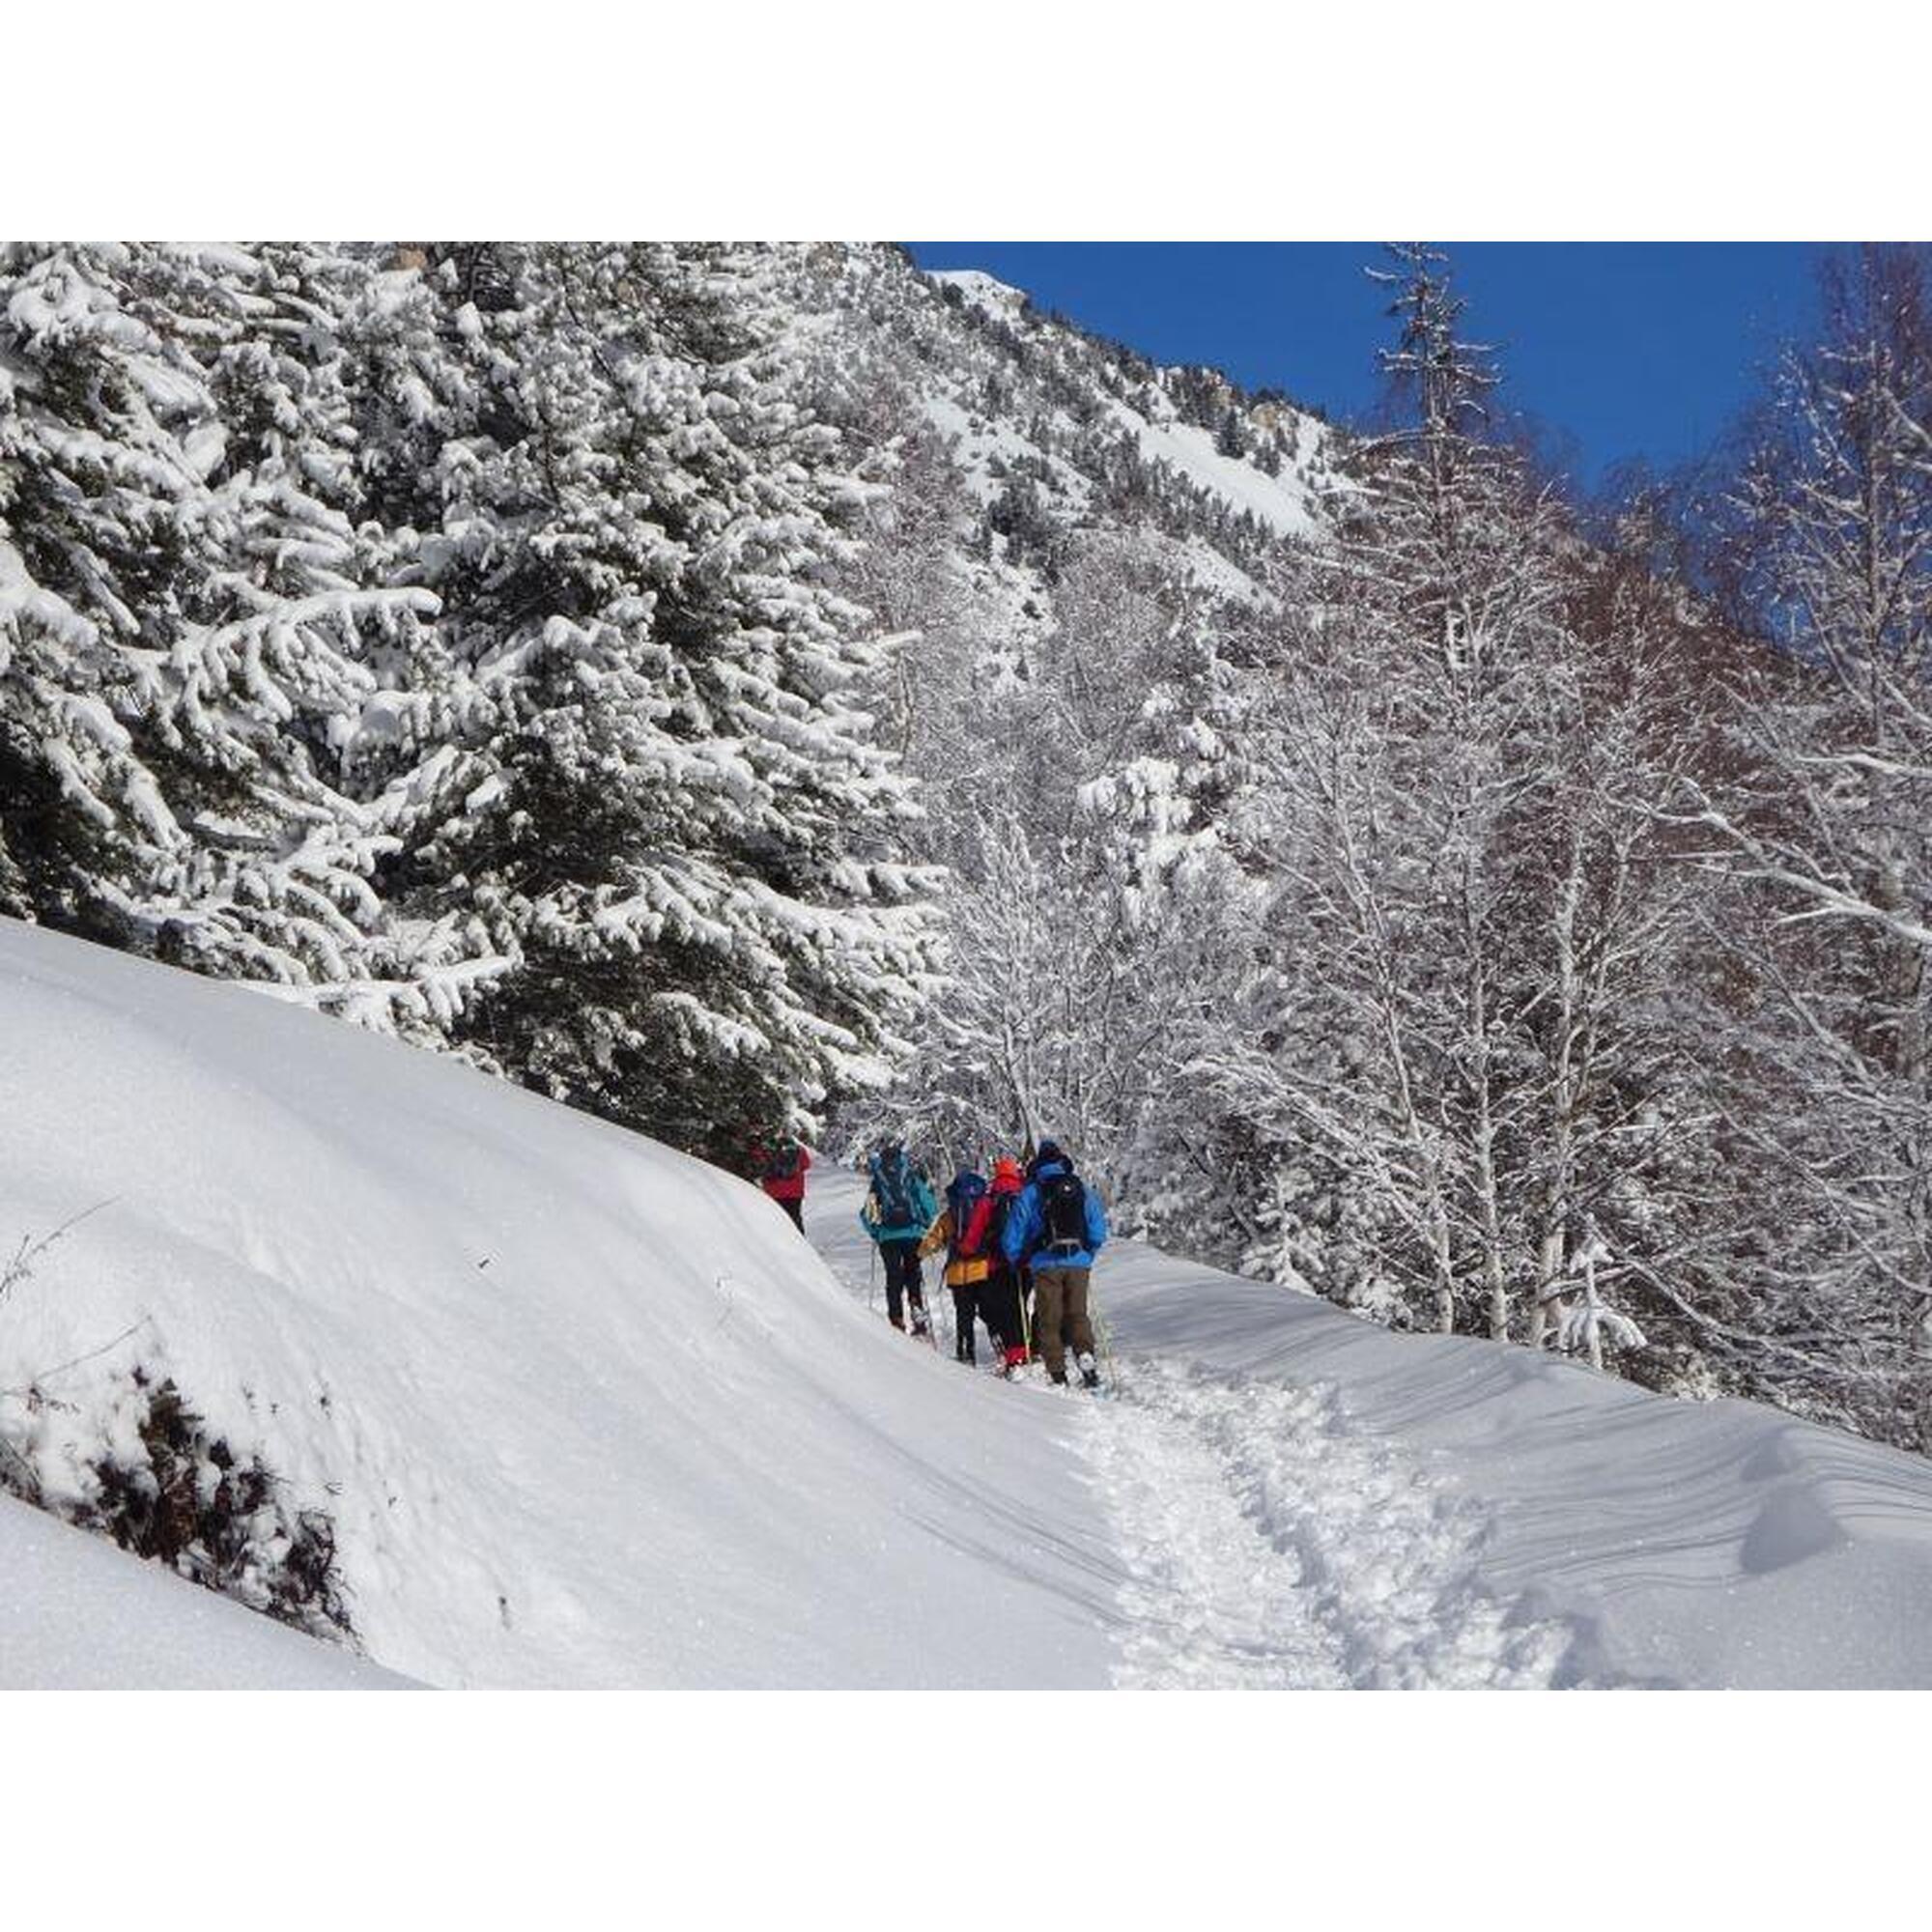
(205, 662)
(681, 831)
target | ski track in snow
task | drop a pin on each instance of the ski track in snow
(1270, 1548)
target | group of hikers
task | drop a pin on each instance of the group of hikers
(1019, 1247)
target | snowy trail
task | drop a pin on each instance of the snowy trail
(1261, 1543)
(1270, 1546)
(1213, 1602)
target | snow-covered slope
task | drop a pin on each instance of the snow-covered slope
(1675, 1542)
(1057, 431)
(582, 1411)
(77, 1615)
(586, 1412)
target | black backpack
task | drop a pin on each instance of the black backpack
(1063, 1212)
(993, 1242)
(783, 1164)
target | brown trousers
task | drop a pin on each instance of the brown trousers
(1060, 1316)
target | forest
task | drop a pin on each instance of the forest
(744, 690)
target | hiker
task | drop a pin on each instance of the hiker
(1003, 1294)
(1058, 1226)
(899, 1210)
(780, 1169)
(961, 1232)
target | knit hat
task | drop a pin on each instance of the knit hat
(1005, 1169)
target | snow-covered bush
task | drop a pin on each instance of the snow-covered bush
(140, 1466)
(132, 1459)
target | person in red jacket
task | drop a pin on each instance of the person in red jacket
(1002, 1297)
(780, 1169)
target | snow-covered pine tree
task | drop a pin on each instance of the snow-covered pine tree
(333, 671)
(106, 432)
(211, 687)
(676, 823)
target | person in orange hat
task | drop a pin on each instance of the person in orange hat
(1003, 1294)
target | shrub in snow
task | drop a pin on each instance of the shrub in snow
(154, 1480)
(184, 1499)
(141, 1465)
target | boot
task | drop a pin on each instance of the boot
(1090, 1375)
(919, 1325)
(1058, 1376)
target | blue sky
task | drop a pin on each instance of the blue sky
(1631, 348)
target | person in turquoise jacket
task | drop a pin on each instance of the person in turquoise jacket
(900, 1208)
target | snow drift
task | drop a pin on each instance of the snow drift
(77, 1615)
(1718, 1544)
(581, 1411)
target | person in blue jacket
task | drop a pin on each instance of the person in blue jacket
(899, 1209)
(1057, 1226)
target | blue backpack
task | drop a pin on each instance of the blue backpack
(967, 1190)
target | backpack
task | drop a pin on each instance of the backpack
(891, 1187)
(965, 1197)
(1063, 1214)
(783, 1164)
(989, 1237)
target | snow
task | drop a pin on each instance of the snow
(985, 449)
(1277, 500)
(1455, 1501)
(77, 1615)
(584, 1412)
(982, 290)
(1296, 1498)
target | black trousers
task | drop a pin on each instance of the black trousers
(1000, 1307)
(795, 1207)
(903, 1278)
(965, 1307)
